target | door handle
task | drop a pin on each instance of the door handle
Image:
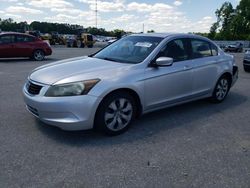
(188, 67)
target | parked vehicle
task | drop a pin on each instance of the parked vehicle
(135, 75)
(81, 40)
(246, 61)
(35, 33)
(238, 47)
(46, 36)
(111, 41)
(56, 38)
(23, 45)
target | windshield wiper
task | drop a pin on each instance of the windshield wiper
(109, 59)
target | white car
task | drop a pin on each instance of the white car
(135, 75)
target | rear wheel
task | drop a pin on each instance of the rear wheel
(221, 89)
(38, 55)
(115, 113)
(247, 68)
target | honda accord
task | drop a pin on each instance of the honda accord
(135, 75)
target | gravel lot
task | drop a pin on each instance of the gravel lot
(198, 144)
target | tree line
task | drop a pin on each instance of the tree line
(232, 24)
(45, 27)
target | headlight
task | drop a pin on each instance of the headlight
(71, 89)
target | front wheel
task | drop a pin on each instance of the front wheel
(221, 90)
(115, 113)
(38, 55)
(79, 44)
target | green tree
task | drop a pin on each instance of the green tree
(243, 18)
(151, 31)
(232, 24)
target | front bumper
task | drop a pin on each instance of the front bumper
(48, 51)
(67, 113)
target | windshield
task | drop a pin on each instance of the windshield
(131, 49)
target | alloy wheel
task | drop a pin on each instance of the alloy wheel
(118, 114)
(38, 55)
(222, 89)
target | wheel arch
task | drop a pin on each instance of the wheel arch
(130, 91)
(228, 75)
(36, 49)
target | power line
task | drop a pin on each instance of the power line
(96, 12)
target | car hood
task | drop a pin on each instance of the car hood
(81, 68)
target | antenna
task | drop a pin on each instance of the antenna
(96, 12)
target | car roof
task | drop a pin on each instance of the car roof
(15, 33)
(165, 35)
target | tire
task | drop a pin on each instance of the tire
(90, 46)
(221, 89)
(246, 68)
(115, 113)
(79, 44)
(38, 55)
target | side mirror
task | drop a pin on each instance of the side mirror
(164, 62)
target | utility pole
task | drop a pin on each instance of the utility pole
(96, 12)
(143, 28)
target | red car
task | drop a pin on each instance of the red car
(23, 45)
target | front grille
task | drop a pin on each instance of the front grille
(33, 88)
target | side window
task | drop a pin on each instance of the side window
(214, 50)
(7, 39)
(200, 48)
(28, 39)
(21, 38)
(176, 50)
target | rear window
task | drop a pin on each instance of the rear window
(214, 50)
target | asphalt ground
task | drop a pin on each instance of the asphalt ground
(198, 144)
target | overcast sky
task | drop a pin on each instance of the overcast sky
(159, 15)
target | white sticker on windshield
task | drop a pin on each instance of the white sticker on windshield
(143, 44)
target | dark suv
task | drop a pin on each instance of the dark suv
(246, 61)
(238, 47)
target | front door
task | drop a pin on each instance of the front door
(168, 85)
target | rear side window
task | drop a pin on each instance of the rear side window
(214, 50)
(176, 50)
(7, 39)
(200, 49)
(21, 38)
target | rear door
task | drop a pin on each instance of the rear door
(6, 46)
(205, 64)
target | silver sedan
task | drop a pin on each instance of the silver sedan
(135, 75)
